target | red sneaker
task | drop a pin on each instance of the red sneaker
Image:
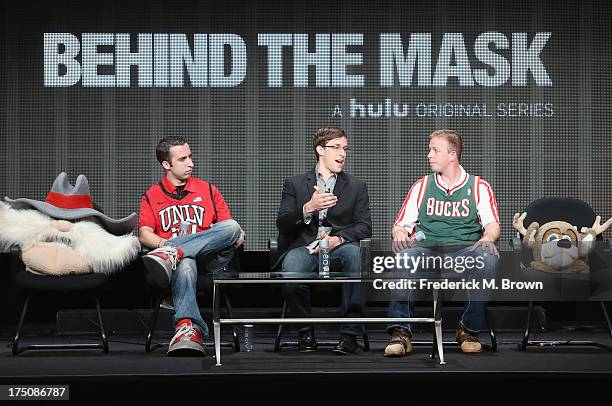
(187, 341)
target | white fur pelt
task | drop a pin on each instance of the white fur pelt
(103, 251)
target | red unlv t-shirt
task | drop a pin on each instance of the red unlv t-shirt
(163, 207)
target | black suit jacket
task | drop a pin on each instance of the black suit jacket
(349, 218)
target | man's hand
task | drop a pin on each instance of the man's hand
(147, 237)
(320, 201)
(334, 242)
(487, 245)
(241, 239)
(487, 242)
(401, 239)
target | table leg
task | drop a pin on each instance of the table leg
(438, 324)
(216, 321)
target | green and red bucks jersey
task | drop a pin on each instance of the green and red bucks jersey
(449, 217)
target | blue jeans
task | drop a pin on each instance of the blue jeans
(217, 244)
(401, 304)
(298, 295)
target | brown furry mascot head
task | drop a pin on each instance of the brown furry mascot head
(65, 234)
(557, 245)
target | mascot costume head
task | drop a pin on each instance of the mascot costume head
(65, 234)
(558, 246)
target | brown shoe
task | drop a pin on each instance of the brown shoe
(399, 344)
(469, 341)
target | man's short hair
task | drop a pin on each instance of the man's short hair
(455, 142)
(163, 147)
(325, 135)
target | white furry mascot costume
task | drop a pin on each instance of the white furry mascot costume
(65, 234)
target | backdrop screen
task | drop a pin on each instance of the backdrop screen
(91, 89)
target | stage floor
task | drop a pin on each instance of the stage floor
(550, 372)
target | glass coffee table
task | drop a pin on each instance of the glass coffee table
(251, 278)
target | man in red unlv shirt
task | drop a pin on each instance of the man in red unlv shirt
(195, 209)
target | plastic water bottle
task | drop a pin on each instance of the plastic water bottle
(324, 258)
(184, 228)
(420, 235)
(248, 337)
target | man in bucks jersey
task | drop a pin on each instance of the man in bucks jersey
(451, 208)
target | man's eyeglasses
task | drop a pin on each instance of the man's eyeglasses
(337, 147)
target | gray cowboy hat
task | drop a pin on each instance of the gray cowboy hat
(67, 202)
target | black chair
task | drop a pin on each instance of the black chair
(89, 284)
(204, 285)
(575, 212)
(365, 262)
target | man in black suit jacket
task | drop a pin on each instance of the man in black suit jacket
(324, 203)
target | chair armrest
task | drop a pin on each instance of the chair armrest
(517, 249)
(518, 256)
(365, 249)
(515, 243)
(16, 264)
(607, 252)
(273, 247)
